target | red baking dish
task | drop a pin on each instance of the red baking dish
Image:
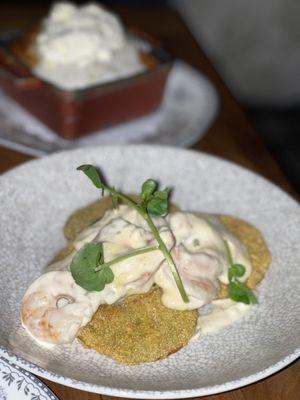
(77, 112)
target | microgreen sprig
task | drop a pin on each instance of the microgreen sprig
(237, 290)
(153, 202)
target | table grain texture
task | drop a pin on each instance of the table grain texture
(231, 136)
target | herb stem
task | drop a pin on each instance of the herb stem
(125, 257)
(228, 253)
(168, 258)
(161, 245)
(127, 200)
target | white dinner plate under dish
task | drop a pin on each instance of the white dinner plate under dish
(18, 384)
(189, 106)
(37, 198)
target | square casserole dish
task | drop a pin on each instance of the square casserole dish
(74, 113)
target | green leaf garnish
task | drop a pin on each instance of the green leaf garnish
(148, 189)
(236, 270)
(238, 291)
(157, 206)
(92, 173)
(83, 267)
(106, 275)
(158, 203)
(153, 202)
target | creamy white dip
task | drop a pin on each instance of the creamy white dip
(79, 46)
(221, 313)
(197, 245)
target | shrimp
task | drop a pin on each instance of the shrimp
(200, 259)
(54, 308)
(198, 271)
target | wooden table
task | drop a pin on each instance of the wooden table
(231, 137)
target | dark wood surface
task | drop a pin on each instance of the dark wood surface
(231, 137)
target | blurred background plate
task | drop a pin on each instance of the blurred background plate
(189, 106)
(17, 384)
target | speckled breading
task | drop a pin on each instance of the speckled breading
(139, 329)
(257, 248)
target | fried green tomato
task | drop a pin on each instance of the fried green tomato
(139, 329)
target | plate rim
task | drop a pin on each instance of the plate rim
(151, 394)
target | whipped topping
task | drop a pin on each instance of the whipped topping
(79, 46)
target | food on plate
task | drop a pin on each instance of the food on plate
(85, 216)
(78, 46)
(134, 277)
(258, 251)
(139, 329)
(55, 308)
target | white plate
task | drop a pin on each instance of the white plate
(188, 108)
(17, 384)
(37, 197)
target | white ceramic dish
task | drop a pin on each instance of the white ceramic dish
(17, 384)
(37, 197)
(189, 106)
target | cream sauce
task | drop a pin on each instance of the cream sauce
(221, 313)
(196, 243)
